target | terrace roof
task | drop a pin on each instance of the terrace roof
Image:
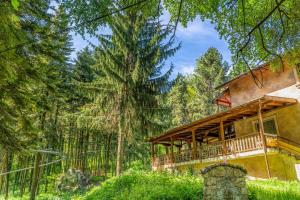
(200, 126)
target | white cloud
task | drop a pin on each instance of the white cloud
(197, 29)
(187, 68)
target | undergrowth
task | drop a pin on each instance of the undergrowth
(144, 185)
(137, 185)
(147, 185)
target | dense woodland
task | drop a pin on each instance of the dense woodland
(96, 112)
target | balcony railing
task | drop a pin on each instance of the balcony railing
(214, 150)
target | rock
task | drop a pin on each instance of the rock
(225, 181)
(73, 180)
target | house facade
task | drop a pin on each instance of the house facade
(259, 129)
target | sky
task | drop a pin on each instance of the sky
(195, 39)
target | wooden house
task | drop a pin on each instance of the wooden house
(259, 129)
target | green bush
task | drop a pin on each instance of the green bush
(144, 185)
(273, 189)
(137, 185)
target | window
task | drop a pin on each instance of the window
(229, 131)
(270, 126)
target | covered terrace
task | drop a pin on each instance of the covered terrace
(214, 136)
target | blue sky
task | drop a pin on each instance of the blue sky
(195, 39)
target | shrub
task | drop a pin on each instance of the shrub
(141, 185)
(137, 185)
(273, 189)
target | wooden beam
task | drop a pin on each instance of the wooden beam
(279, 99)
(217, 127)
(194, 144)
(262, 135)
(223, 139)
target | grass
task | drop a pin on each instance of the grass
(147, 185)
(164, 186)
(274, 189)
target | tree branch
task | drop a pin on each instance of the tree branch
(177, 20)
(258, 25)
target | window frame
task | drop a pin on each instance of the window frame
(273, 117)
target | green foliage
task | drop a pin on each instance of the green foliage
(238, 69)
(154, 185)
(82, 11)
(15, 4)
(191, 97)
(137, 184)
(177, 99)
(26, 69)
(138, 165)
(210, 72)
(129, 65)
(147, 185)
(261, 29)
(273, 189)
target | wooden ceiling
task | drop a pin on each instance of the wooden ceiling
(206, 125)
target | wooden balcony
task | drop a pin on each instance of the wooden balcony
(233, 147)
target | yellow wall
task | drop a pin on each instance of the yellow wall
(281, 166)
(288, 123)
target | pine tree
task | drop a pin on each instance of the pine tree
(131, 60)
(21, 59)
(178, 99)
(210, 72)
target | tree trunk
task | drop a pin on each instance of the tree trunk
(119, 149)
(107, 156)
(35, 177)
(7, 160)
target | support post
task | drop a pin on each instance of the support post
(223, 140)
(179, 149)
(206, 136)
(263, 138)
(172, 150)
(194, 148)
(296, 75)
(152, 152)
(167, 150)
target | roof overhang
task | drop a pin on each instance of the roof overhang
(254, 70)
(246, 110)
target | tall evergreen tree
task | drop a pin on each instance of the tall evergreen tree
(132, 59)
(21, 59)
(210, 72)
(178, 99)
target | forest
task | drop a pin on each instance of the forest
(96, 112)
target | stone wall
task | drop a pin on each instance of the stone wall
(225, 182)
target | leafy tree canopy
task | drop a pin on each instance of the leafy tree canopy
(255, 30)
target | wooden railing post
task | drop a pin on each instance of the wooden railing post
(223, 139)
(194, 144)
(262, 135)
